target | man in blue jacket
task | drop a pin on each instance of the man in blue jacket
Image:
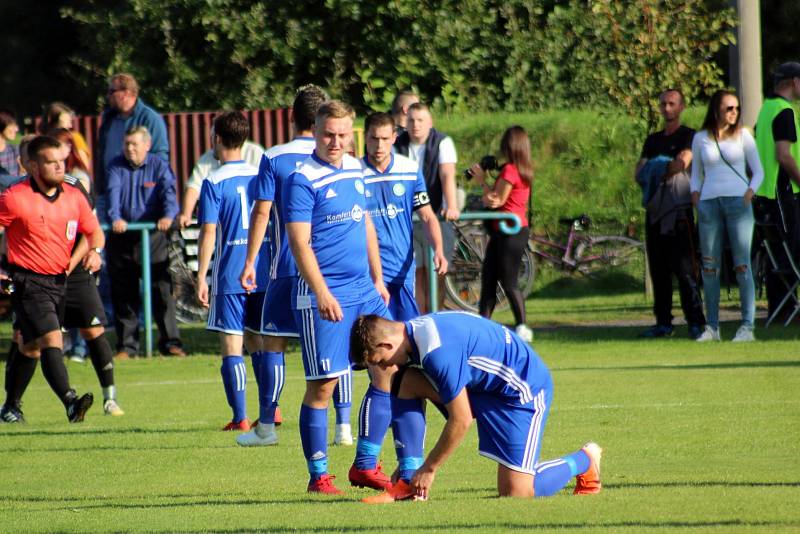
(141, 188)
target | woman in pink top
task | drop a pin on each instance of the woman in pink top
(510, 194)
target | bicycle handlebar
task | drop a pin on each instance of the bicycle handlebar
(504, 218)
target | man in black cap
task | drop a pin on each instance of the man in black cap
(776, 201)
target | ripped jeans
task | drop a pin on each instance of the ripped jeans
(715, 216)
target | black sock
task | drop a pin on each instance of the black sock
(55, 372)
(102, 360)
(19, 372)
(12, 350)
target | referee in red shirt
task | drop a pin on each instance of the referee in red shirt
(42, 220)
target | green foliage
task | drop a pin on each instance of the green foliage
(460, 54)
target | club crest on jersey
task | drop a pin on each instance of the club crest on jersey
(72, 230)
(391, 211)
(357, 213)
(359, 187)
(398, 190)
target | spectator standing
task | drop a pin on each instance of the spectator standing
(125, 110)
(43, 219)
(435, 153)
(9, 152)
(60, 115)
(400, 105)
(251, 153)
(510, 194)
(778, 198)
(722, 152)
(669, 228)
(141, 188)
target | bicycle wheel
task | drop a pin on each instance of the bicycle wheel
(462, 283)
(606, 251)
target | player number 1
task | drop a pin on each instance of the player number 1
(244, 205)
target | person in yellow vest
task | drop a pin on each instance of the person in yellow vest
(777, 135)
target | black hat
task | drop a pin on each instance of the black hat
(787, 71)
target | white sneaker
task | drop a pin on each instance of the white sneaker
(524, 333)
(744, 334)
(110, 407)
(709, 334)
(254, 439)
(344, 436)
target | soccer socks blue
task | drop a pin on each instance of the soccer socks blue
(552, 476)
(408, 426)
(270, 375)
(314, 437)
(374, 419)
(343, 398)
(234, 378)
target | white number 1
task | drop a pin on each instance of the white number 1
(244, 205)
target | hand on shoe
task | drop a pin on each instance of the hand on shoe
(422, 481)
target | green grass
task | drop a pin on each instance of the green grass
(700, 437)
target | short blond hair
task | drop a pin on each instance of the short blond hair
(333, 109)
(126, 81)
(133, 130)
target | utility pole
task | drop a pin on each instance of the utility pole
(745, 59)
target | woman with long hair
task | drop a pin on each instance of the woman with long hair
(510, 194)
(59, 115)
(73, 163)
(722, 153)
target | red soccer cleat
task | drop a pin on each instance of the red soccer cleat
(400, 491)
(324, 484)
(369, 478)
(243, 426)
(589, 482)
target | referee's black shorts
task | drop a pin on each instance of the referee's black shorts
(83, 307)
(38, 302)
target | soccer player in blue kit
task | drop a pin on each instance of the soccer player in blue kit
(334, 244)
(395, 189)
(277, 318)
(472, 368)
(225, 200)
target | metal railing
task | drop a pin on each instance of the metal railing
(505, 227)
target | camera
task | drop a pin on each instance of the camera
(487, 163)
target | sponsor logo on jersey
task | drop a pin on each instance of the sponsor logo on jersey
(391, 211)
(399, 190)
(72, 230)
(357, 213)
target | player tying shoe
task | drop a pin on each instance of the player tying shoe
(472, 368)
(223, 216)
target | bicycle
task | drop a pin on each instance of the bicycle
(582, 253)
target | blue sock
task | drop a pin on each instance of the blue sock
(408, 427)
(552, 476)
(314, 436)
(270, 383)
(343, 398)
(374, 419)
(234, 378)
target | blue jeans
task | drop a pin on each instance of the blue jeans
(715, 216)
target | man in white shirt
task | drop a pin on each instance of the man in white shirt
(436, 155)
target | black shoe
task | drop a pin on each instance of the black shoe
(11, 414)
(658, 330)
(78, 407)
(695, 331)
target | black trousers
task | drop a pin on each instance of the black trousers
(501, 265)
(785, 212)
(675, 253)
(124, 268)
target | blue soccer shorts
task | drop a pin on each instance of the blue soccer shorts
(277, 317)
(510, 433)
(325, 344)
(231, 314)
(402, 304)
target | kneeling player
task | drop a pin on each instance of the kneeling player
(223, 216)
(474, 368)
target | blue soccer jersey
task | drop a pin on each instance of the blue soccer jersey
(392, 197)
(460, 350)
(277, 164)
(225, 200)
(333, 201)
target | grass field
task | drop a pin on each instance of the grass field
(695, 437)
